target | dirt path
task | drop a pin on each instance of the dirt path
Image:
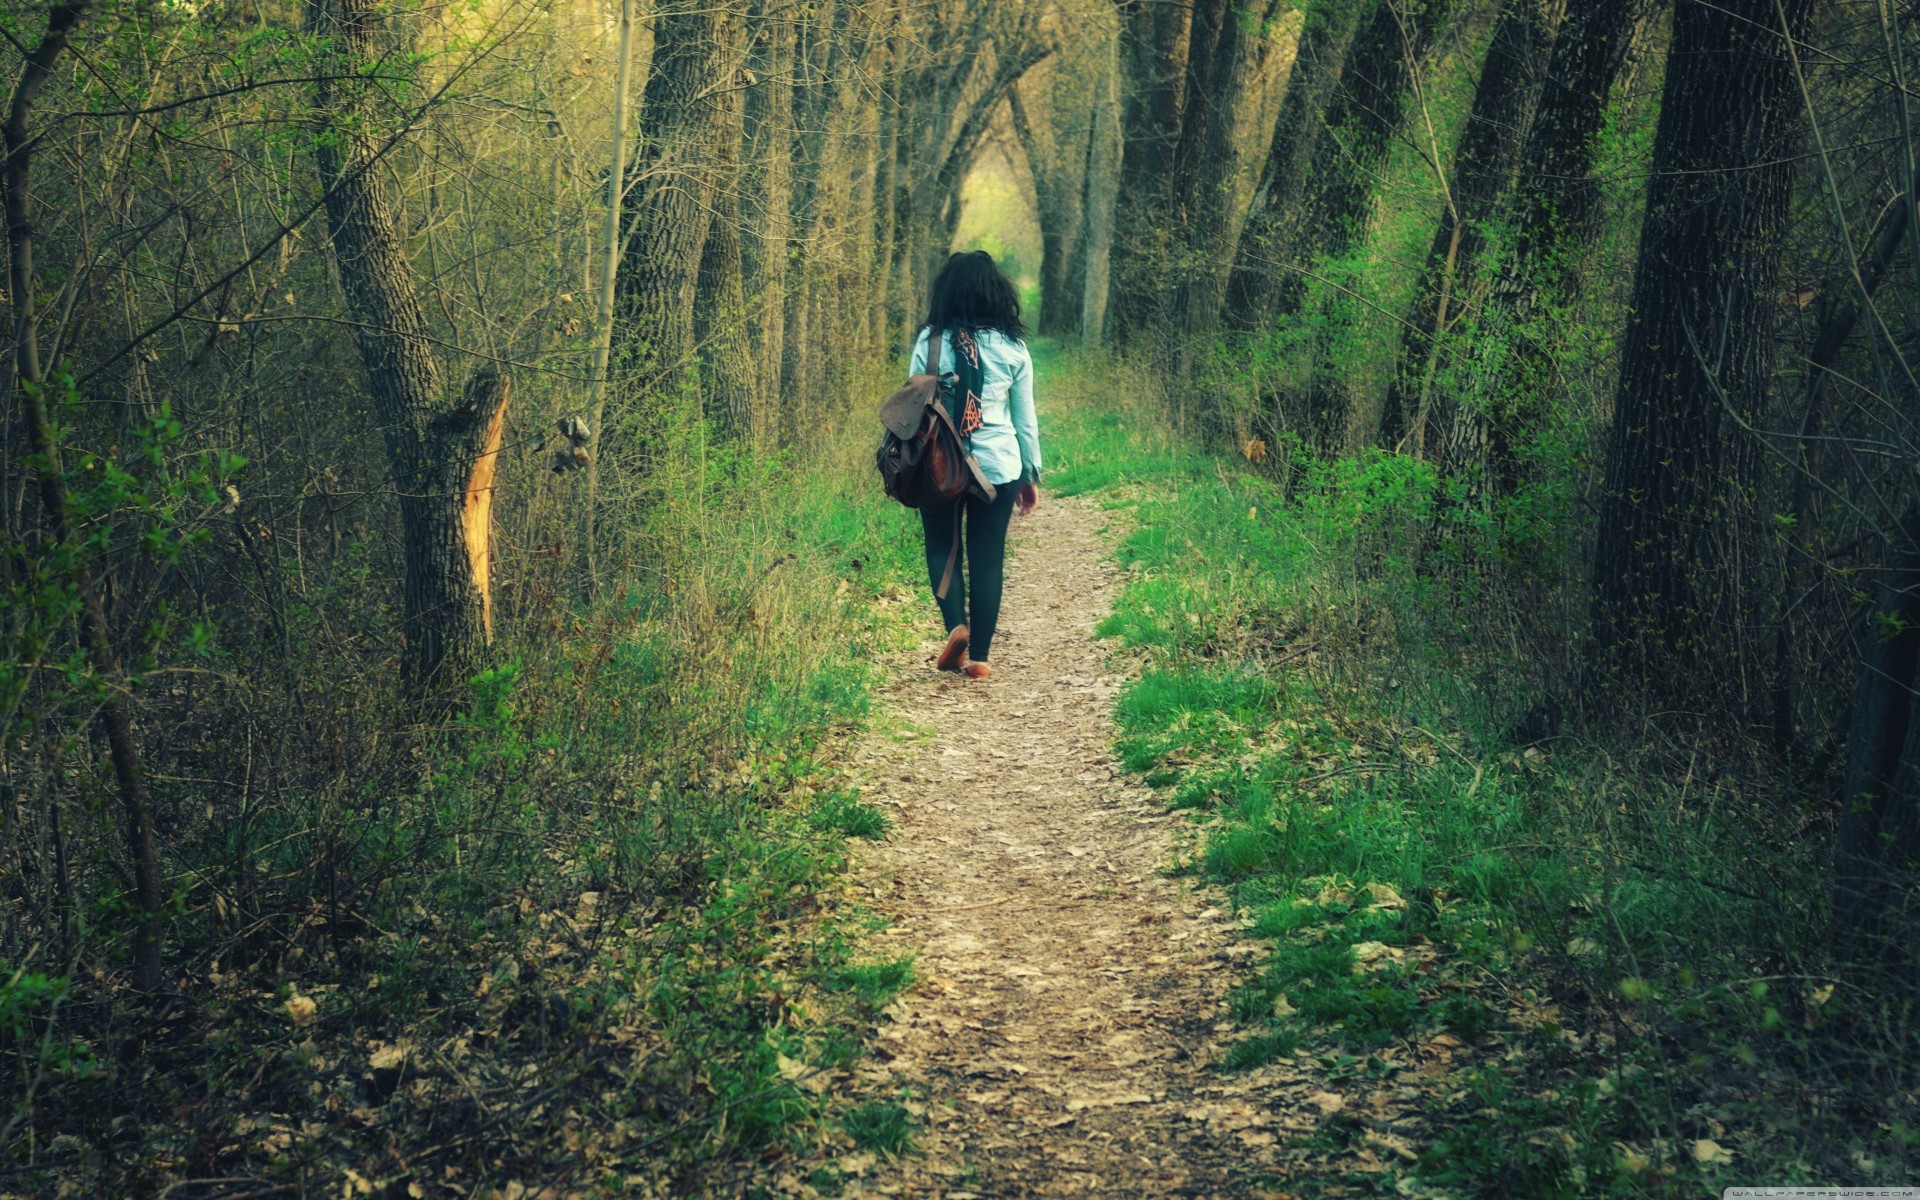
(1069, 1009)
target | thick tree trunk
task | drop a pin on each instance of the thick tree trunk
(1670, 617)
(1253, 285)
(1379, 75)
(441, 447)
(1484, 164)
(1554, 215)
(769, 200)
(1154, 41)
(684, 123)
(1365, 111)
(720, 312)
(1217, 168)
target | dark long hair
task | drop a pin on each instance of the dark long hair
(971, 292)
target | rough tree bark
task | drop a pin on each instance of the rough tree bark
(1484, 165)
(1669, 616)
(1154, 41)
(1364, 113)
(441, 445)
(769, 196)
(1554, 214)
(684, 121)
(1216, 165)
(1253, 285)
(721, 309)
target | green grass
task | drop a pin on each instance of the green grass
(875, 983)
(842, 812)
(881, 1127)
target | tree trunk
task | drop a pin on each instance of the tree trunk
(441, 447)
(1253, 286)
(1059, 189)
(720, 313)
(1669, 613)
(1217, 169)
(1095, 244)
(1365, 112)
(815, 157)
(1154, 43)
(769, 200)
(684, 122)
(609, 268)
(886, 196)
(1484, 163)
(1380, 72)
(1554, 214)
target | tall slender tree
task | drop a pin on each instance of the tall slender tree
(1485, 161)
(1554, 216)
(1253, 284)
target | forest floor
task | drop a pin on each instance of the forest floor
(1069, 1015)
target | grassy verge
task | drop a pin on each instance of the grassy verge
(588, 939)
(1600, 971)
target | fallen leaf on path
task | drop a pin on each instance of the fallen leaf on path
(1327, 1102)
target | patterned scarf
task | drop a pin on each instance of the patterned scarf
(963, 397)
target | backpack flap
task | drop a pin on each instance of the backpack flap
(902, 412)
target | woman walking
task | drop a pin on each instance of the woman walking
(984, 344)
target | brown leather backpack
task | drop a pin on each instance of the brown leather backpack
(924, 462)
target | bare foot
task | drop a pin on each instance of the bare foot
(955, 653)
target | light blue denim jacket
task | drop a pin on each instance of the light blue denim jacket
(1007, 444)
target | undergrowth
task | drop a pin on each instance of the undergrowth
(588, 932)
(1603, 966)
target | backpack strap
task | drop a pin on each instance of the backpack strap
(953, 556)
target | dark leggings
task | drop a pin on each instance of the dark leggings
(980, 572)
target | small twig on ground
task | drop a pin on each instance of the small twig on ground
(976, 904)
